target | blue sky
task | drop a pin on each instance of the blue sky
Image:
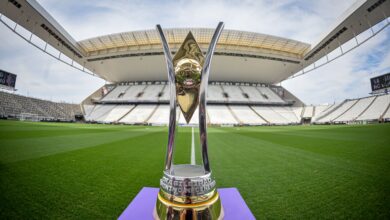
(348, 77)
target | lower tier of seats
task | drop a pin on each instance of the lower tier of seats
(216, 114)
(373, 108)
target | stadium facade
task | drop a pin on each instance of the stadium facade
(245, 75)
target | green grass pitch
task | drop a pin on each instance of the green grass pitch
(80, 171)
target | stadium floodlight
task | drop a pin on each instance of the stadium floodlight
(188, 191)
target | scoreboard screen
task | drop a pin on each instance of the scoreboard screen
(380, 82)
(7, 79)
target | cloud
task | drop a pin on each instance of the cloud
(302, 20)
(42, 76)
(346, 77)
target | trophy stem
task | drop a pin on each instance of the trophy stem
(172, 102)
(203, 95)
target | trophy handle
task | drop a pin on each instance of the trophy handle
(172, 101)
(203, 94)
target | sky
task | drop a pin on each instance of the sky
(41, 76)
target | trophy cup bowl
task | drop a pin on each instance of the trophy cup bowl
(188, 191)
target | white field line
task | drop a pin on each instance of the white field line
(193, 162)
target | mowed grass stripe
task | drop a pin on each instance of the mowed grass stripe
(22, 148)
(88, 183)
(355, 143)
(280, 181)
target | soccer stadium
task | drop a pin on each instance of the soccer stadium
(287, 159)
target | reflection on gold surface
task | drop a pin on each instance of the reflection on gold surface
(188, 62)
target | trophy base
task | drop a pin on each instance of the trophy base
(187, 192)
(210, 210)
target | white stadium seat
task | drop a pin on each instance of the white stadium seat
(113, 95)
(220, 114)
(387, 114)
(88, 109)
(377, 108)
(308, 112)
(297, 111)
(253, 93)
(165, 94)
(287, 113)
(133, 93)
(355, 110)
(246, 115)
(151, 93)
(215, 93)
(160, 116)
(270, 115)
(318, 110)
(99, 112)
(234, 94)
(272, 96)
(338, 110)
(140, 114)
(116, 113)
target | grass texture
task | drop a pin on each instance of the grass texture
(82, 171)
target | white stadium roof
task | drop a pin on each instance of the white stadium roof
(240, 56)
(229, 40)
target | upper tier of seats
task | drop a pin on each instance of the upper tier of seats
(158, 92)
(12, 105)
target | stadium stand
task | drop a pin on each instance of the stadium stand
(386, 115)
(228, 104)
(246, 116)
(99, 112)
(216, 94)
(325, 110)
(376, 110)
(270, 95)
(270, 116)
(336, 112)
(373, 108)
(221, 115)
(160, 116)
(319, 109)
(139, 115)
(88, 109)
(22, 107)
(298, 111)
(145, 104)
(356, 109)
(253, 93)
(308, 112)
(115, 114)
(234, 94)
(158, 92)
(288, 113)
(115, 93)
(152, 92)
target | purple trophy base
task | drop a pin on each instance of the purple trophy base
(143, 204)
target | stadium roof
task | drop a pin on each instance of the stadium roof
(239, 57)
(230, 39)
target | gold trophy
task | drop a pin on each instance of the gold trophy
(188, 191)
